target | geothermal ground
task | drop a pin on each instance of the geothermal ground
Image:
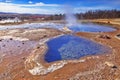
(22, 51)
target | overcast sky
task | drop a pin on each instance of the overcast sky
(56, 6)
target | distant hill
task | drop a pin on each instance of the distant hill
(8, 13)
(26, 16)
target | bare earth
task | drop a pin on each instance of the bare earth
(21, 52)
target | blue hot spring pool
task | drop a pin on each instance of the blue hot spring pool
(89, 27)
(68, 47)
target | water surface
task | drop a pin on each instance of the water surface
(68, 47)
(89, 27)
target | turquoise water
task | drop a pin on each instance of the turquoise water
(68, 47)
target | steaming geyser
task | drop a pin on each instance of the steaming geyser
(70, 17)
(72, 25)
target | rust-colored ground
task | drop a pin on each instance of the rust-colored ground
(99, 67)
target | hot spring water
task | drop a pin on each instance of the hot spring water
(68, 47)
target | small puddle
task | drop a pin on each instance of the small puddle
(68, 47)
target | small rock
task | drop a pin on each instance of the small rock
(108, 22)
(104, 36)
(18, 46)
(11, 38)
(23, 58)
(0, 39)
(38, 47)
(45, 36)
(114, 66)
(3, 45)
(23, 76)
(110, 64)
